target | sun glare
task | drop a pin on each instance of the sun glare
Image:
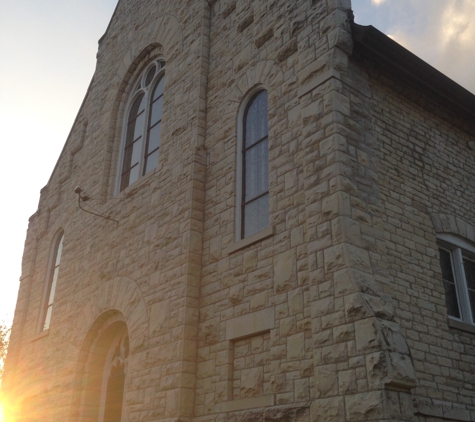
(6, 410)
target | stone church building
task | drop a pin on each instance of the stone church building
(264, 212)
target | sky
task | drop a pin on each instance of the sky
(47, 59)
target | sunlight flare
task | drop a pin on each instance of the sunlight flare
(8, 411)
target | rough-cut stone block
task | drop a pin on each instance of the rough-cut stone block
(364, 406)
(296, 346)
(326, 381)
(159, 317)
(367, 336)
(347, 382)
(251, 382)
(343, 255)
(328, 409)
(285, 277)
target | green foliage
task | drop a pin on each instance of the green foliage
(4, 339)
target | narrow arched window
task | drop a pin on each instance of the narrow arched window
(254, 198)
(143, 123)
(52, 280)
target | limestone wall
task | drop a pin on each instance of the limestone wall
(424, 168)
(267, 287)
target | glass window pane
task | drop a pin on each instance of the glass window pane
(446, 265)
(156, 112)
(48, 318)
(158, 90)
(471, 298)
(130, 133)
(124, 180)
(255, 120)
(136, 120)
(449, 283)
(154, 138)
(256, 215)
(133, 175)
(256, 165)
(135, 129)
(151, 161)
(137, 107)
(138, 126)
(127, 159)
(59, 252)
(469, 268)
(136, 152)
(53, 286)
(132, 155)
(451, 299)
(150, 75)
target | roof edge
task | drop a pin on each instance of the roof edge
(370, 41)
(68, 138)
(99, 42)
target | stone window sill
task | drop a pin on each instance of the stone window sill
(256, 237)
(41, 334)
(130, 190)
(460, 325)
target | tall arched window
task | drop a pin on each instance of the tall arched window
(141, 138)
(254, 167)
(52, 280)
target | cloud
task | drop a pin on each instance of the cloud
(456, 42)
(458, 24)
(443, 35)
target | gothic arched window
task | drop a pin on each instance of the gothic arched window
(143, 121)
(253, 166)
(51, 282)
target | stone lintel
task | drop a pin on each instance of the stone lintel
(249, 324)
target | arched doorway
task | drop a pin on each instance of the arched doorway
(102, 371)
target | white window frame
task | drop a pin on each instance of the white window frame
(458, 248)
(239, 161)
(138, 89)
